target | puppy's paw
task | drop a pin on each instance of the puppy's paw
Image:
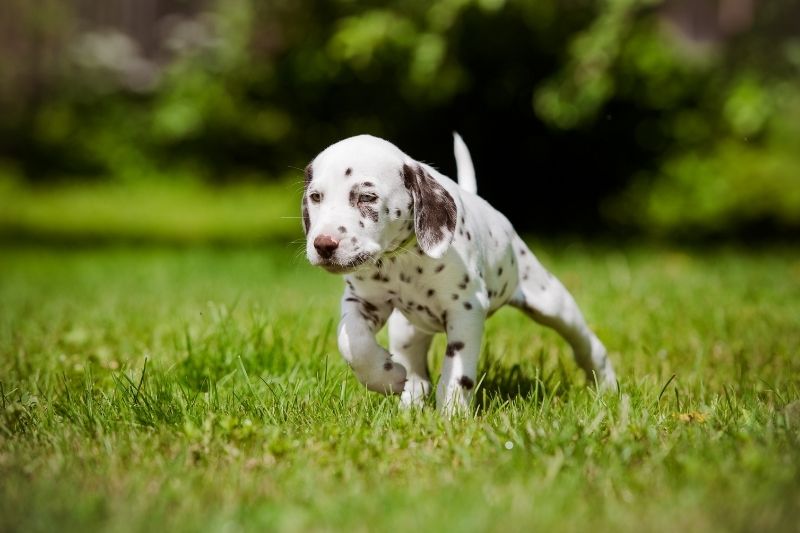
(607, 381)
(414, 392)
(454, 400)
(601, 371)
(389, 379)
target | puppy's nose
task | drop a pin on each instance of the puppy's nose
(325, 245)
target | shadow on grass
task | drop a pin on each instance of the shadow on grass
(503, 384)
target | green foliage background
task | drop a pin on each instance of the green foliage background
(242, 90)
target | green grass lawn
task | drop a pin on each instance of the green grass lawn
(157, 211)
(154, 389)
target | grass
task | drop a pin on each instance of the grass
(177, 212)
(148, 388)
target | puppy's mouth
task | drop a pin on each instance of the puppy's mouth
(336, 267)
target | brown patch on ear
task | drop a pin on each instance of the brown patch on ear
(309, 172)
(435, 212)
(306, 218)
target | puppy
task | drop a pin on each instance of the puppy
(426, 255)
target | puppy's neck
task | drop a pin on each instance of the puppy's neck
(409, 245)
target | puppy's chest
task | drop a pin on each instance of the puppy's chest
(421, 288)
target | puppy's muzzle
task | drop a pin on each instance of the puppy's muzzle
(326, 245)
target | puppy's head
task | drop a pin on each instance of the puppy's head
(364, 198)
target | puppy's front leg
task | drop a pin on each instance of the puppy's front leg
(460, 365)
(410, 346)
(372, 364)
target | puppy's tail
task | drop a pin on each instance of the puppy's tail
(464, 168)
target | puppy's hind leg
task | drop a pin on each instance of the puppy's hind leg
(543, 298)
(409, 347)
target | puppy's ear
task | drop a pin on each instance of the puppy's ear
(309, 175)
(435, 211)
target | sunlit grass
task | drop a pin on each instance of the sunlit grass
(200, 389)
(155, 211)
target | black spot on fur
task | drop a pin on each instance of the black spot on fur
(361, 223)
(368, 212)
(342, 229)
(469, 237)
(431, 292)
(500, 271)
(388, 366)
(353, 240)
(439, 268)
(455, 296)
(419, 270)
(376, 276)
(466, 382)
(348, 171)
(397, 213)
(467, 306)
(385, 210)
(454, 347)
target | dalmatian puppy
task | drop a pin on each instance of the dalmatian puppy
(426, 255)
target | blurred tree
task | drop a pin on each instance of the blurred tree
(670, 115)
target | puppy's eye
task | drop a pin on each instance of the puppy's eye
(367, 198)
(315, 197)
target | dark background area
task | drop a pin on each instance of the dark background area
(675, 118)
